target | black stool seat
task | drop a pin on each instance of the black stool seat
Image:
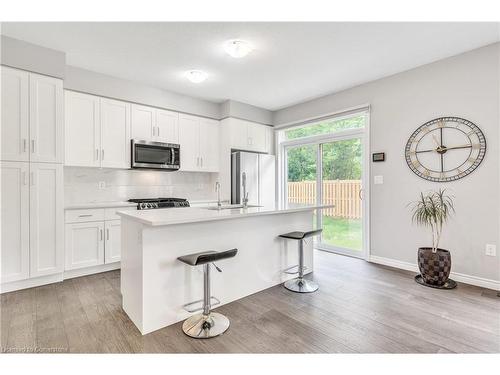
(207, 257)
(301, 235)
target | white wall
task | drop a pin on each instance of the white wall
(243, 111)
(81, 185)
(466, 85)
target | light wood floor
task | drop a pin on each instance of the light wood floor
(360, 307)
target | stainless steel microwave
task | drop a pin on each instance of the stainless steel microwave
(155, 155)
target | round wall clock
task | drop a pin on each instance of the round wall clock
(445, 149)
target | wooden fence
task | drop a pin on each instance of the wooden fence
(344, 194)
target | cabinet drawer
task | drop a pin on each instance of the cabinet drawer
(110, 213)
(84, 215)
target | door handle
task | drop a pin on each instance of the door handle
(158, 131)
(107, 234)
(360, 194)
(24, 145)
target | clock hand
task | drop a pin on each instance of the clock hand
(457, 147)
(436, 140)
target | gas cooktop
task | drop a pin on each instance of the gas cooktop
(152, 203)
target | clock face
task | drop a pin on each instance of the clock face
(445, 149)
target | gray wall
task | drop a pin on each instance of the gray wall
(19, 54)
(466, 85)
(232, 108)
(101, 84)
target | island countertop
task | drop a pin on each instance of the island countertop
(183, 215)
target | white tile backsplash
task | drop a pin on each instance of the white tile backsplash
(81, 185)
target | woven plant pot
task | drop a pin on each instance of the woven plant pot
(434, 267)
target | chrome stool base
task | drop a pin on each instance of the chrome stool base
(201, 326)
(300, 285)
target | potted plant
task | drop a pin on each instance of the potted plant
(433, 210)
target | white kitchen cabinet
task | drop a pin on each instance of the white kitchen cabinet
(209, 145)
(32, 123)
(189, 139)
(112, 247)
(84, 245)
(199, 140)
(32, 220)
(143, 122)
(256, 138)
(247, 136)
(15, 115)
(83, 130)
(46, 219)
(115, 133)
(167, 126)
(152, 124)
(97, 131)
(46, 119)
(15, 221)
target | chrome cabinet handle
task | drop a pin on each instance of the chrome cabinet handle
(102, 154)
(100, 231)
(107, 234)
(24, 145)
(154, 127)
(32, 146)
(87, 215)
(158, 131)
(201, 161)
(96, 154)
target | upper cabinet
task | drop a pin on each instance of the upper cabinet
(32, 122)
(248, 136)
(199, 140)
(152, 124)
(97, 131)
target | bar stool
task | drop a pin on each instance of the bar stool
(299, 284)
(207, 324)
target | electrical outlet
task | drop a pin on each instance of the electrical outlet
(101, 185)
(491, 250)
(378, 180)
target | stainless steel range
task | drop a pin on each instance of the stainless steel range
(152, 203)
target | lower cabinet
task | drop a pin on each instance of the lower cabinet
(91, 240)
(31, 220)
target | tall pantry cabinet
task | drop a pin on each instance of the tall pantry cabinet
(31, 175)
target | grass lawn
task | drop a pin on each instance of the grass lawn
(343, 232)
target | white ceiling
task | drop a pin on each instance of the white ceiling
(292, 62)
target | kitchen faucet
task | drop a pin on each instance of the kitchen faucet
(245, 193)
(217, 189)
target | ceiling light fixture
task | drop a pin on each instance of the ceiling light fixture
(238, 48)
(196, 76)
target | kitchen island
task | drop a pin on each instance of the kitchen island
(155, 285)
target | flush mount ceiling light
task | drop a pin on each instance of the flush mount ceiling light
(238, 48)
(196, 76)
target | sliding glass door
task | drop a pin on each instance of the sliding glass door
(330, 169)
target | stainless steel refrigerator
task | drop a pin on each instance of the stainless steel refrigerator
(260, 171)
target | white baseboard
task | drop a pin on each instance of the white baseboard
(70, 274)
(460, 277)
(30, 283)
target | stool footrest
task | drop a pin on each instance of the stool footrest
(294, 272)
(190, 307)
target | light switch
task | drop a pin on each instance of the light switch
(491, 250)
(378, 180)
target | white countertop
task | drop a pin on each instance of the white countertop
(183, 215)
(79, 206)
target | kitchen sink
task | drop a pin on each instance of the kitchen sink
(230, 207)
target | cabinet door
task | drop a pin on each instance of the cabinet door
(167, 127)
(256, 137)
(46, 121)
(113, 247)
(46, 219)
(115, 134)
(82, 128)
(238, 134)
(209, 145)
(15, 221)
(15, 125)
(84, 245)
(142, 122)
(189, 139)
